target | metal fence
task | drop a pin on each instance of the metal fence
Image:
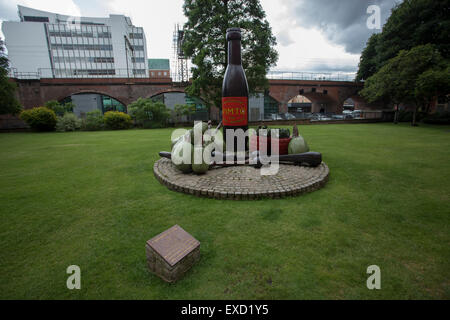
(75, 74)
(295, 75)
(353, 115)
(128, 73)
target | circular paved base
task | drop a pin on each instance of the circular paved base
(242, 182)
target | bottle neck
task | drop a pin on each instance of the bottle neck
(234, 52)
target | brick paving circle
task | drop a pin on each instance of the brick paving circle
(242, 182)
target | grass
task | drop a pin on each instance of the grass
(90, 199)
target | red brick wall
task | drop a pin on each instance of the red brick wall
(329, 95)
(33, 93)
(157, 75)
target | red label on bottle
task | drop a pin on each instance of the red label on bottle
(234, 111)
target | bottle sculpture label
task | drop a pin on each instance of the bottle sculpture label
(235, 111)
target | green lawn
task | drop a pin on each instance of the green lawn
(90, 199)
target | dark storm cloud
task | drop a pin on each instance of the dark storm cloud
(343, 22)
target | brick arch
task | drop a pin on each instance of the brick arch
(331, 101)
(33, 93)
(151, 95)
(274, 98)
(318, 98)
(362, 104)
(349, 93)
(176, 90)
(94, 92)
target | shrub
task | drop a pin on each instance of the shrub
(40, 119)
(407, 116)
(181, 110)
(117, 120)
(58, 108)
(94, 121)
(68, 122)
(149, 114)
(438, 118)
(283, 133)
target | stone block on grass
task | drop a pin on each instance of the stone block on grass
(172, 253)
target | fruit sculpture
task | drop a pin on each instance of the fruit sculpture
(297, 143)
(192, 152)
(188, 150)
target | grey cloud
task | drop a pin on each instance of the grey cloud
(343, 22)
(93, 8)
(284, 38)
(330, 68)
(8, 10)
(334, 67)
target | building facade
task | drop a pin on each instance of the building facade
(51, 45)
(159, 68)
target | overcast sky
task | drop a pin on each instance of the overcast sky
(312, 35)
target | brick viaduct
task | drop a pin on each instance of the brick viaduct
(328, 96)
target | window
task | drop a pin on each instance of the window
(138, 71)
(35, 19)
(104, 35)
(111, 104)
(136, 36)
(94, 72)
(270, 105)
(139, 60)
(103, 60)
(83, 46)
(91, 23)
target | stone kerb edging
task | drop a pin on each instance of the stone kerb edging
(242, 182)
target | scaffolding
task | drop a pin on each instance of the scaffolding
(180, 71)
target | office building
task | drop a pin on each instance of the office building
(59, 46)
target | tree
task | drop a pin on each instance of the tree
(58, 108)
(401, 78)
(431, 84)
(412, 23)
(205, 42)
(368, 63)
(382, 86)
(183, 110)
(8, 100)
(148, 113)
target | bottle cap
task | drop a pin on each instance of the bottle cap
(233, 34)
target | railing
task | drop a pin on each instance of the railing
(313, 117)
(76, 74)
(124, 73)
(353, 115)
(295, 75)
(24, 75)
